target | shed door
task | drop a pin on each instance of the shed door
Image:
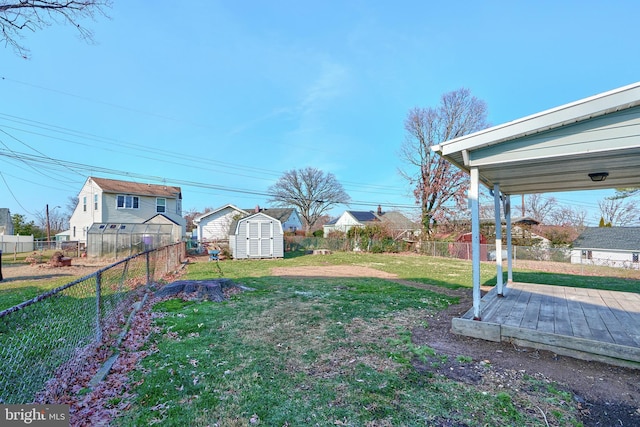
(260, 239)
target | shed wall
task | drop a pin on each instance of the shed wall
(257, 236)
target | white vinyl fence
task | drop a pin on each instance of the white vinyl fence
(16, 244)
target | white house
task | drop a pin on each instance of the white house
(110, 201)
(219, 223)
(399, 225)
(350, 219)
(288, 217)
(610, 246)
(216, 224)
(257, 236)
(6, 224)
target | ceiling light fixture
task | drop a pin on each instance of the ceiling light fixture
(598, 176)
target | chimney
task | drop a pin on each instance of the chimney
(379, 210)
(257, 209)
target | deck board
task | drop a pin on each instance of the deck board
(587, 323)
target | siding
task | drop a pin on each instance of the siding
(258, 236)
(216, 226)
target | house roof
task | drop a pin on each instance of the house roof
(228, 205)
(364, 216)
(281, 214)
(160, 217)
(398, 221)
(332, 222)
(137, 188)
(556, 150)
(613, 238)
(522, 220)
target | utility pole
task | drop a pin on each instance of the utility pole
(48, 229)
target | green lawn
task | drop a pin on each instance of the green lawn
(14, 292)
(333, 351)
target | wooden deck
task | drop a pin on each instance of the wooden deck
(583, 323)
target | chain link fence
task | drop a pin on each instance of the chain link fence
(39, 336)
(459, 250)
(463, 250)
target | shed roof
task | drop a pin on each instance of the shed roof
(233, 227)
(612, 238)
(556, 150)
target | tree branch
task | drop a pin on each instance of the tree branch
(19, 15)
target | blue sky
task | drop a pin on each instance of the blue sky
(220, 98)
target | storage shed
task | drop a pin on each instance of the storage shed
(257, 236)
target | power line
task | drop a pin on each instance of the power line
(45, 160)
(171, 155)
(13, 195)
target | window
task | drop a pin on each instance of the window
(161, 205)
(95, 202)
(587, 255)
(634, 257)
(179, 207)
(127, 202)
(74, 231)
(84, 204)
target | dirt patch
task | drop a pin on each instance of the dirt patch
(331, 271)
(605, 395)
(12, 273)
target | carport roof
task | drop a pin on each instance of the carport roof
(557, 149)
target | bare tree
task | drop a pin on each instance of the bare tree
(619, 212)
(33, 15)
(311, 191)
(70, 205)
(189, 215)
(57, 220)
(540, 207)
(567, 216)
(437, 185)
(622, 193)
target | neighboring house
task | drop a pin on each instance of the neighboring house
(122, 203)
(289, 217)
(350, 219)
(6, 225)
(399, 225)
(610, 246)
(257, 236)
(8, 241)
(216, 224)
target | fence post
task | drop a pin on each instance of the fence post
(98, 304)
(148, 268)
